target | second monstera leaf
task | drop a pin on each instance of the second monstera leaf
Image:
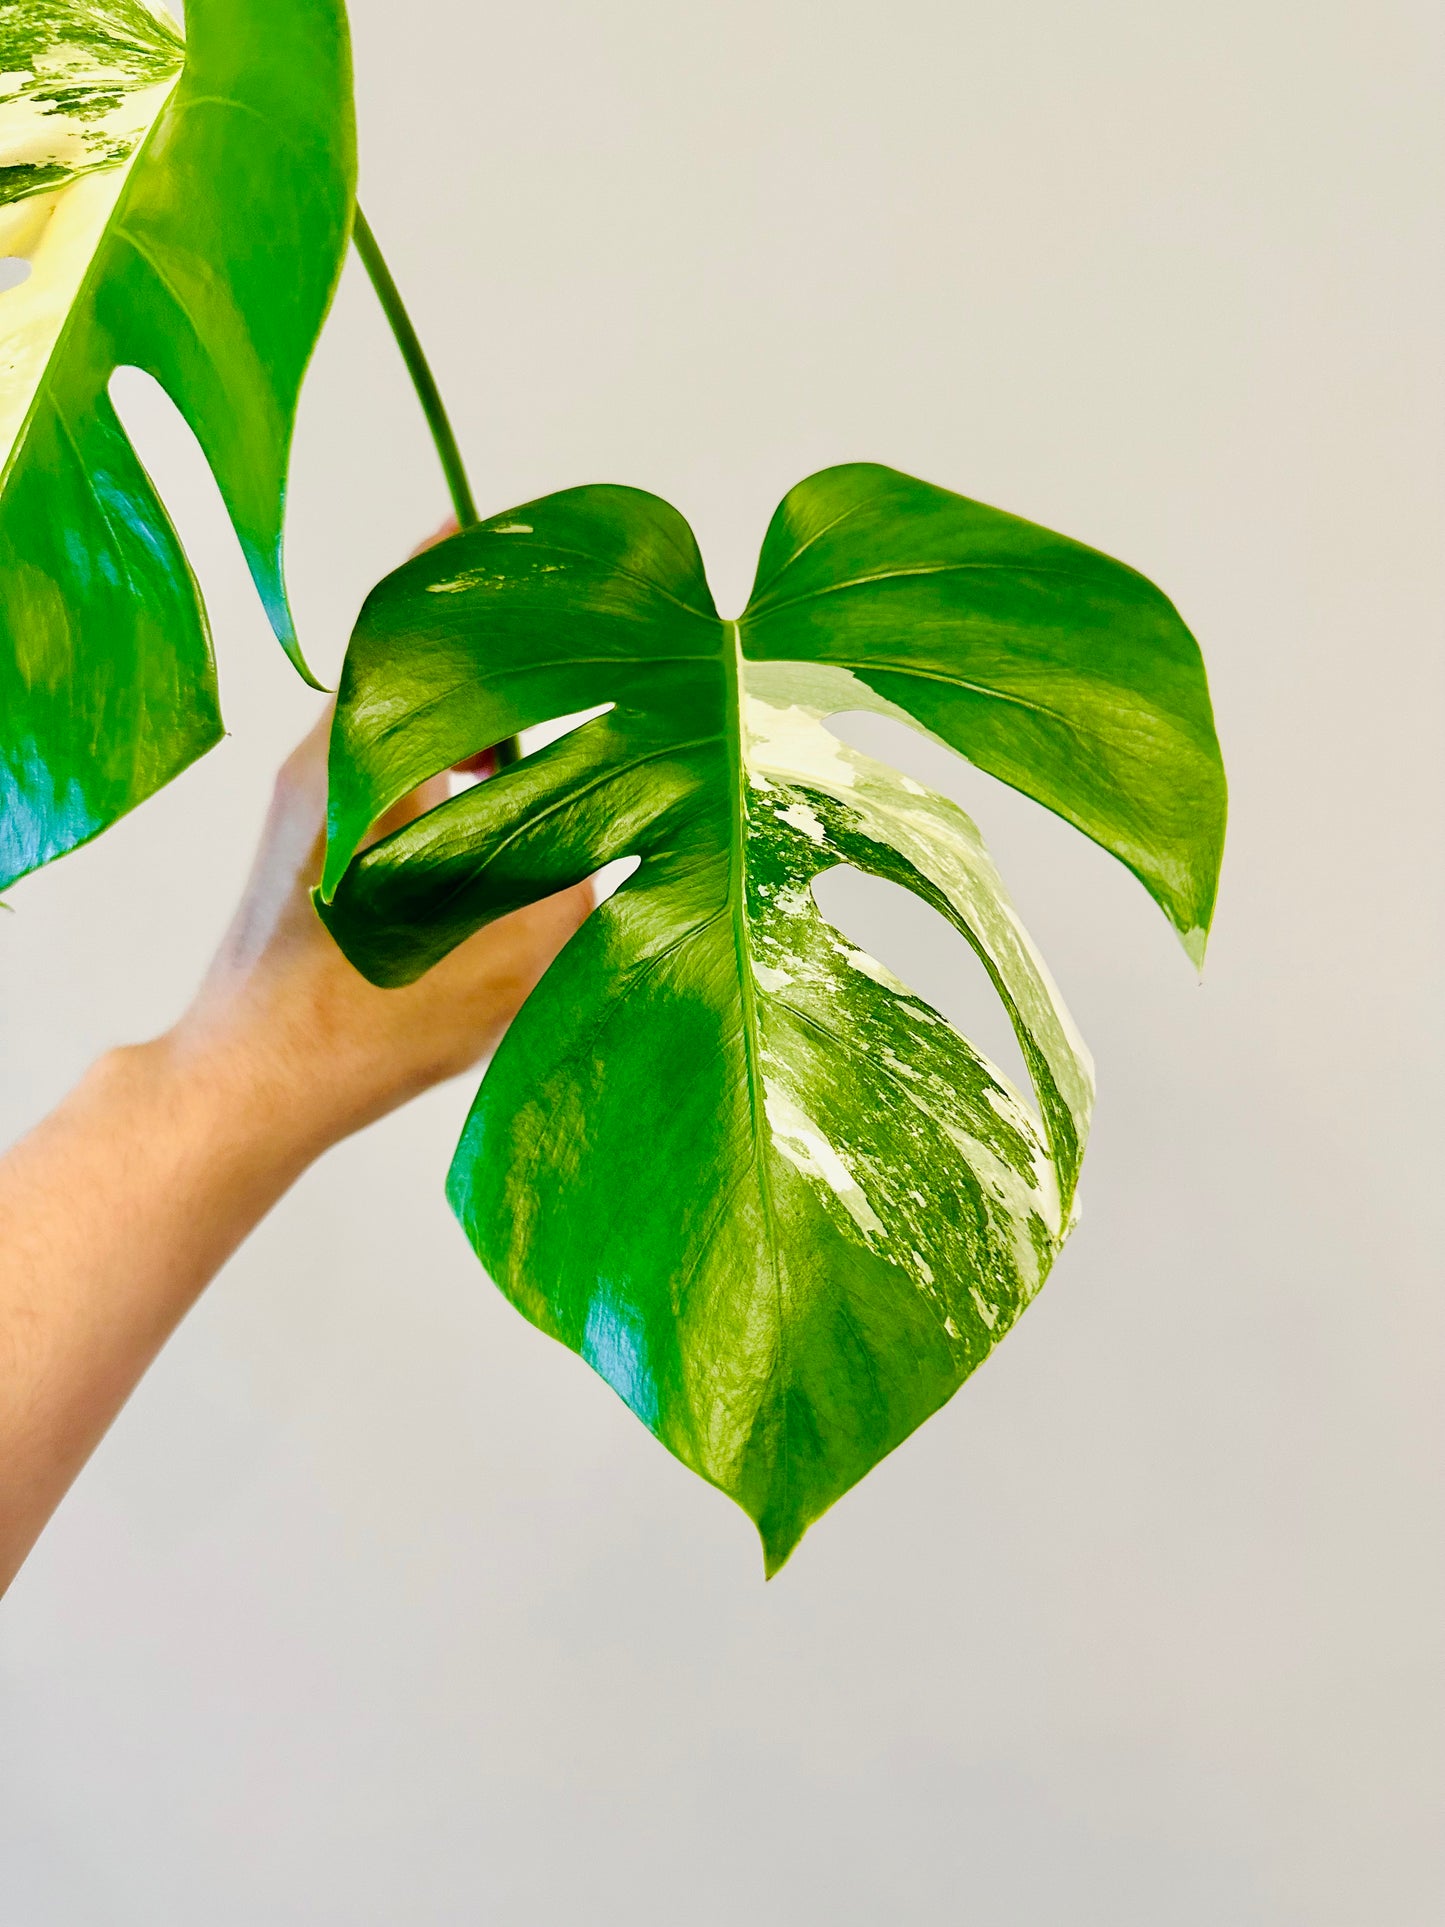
(182, 207)
(768, 1193)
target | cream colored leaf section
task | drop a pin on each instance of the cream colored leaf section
(81, 89)
(790, 756)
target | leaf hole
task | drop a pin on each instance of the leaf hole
(251, 668)
(483, 766)
(1077, 901)
(908, 747)
(14, 269)
(922, 948)
(611, 877)
(476, 769)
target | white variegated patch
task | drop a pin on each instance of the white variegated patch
(81, 86)
(795, 767)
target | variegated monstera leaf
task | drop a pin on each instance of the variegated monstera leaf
(768, 1193)
(183, 207)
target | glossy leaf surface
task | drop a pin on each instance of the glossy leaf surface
(767, 1192)
(184, 208)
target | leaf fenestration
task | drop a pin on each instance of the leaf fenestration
(766, 1191)
(184, 207)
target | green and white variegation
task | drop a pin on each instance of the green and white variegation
(81, 83)
(80, 88)
(777, 1201)
(183, 206)
(848, 808)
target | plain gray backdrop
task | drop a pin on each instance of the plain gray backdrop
(378, 1607)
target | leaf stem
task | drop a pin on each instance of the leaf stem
(422, 379)
(432, 405)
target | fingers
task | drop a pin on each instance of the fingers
(541, 931)
(426, 796)
(555, 919)
(483, 764)
(450, 527)
(310, 754)
(485, 981)
(302, 777)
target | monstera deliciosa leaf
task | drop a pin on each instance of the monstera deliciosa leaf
(766, 1191)
(184, 208)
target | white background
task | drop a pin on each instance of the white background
(377, 1606)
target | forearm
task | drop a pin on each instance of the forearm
(120, 1207)
(114, 1215)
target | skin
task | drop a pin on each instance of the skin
(118, 1210)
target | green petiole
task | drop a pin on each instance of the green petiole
(428, 394)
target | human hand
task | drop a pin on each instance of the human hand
(280, 1003)
(121, 1205)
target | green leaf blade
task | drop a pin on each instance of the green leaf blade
(726, 1264)
(106, 695)
(194, 230)
(762, 1188)
(475, 620)
(1056, 669)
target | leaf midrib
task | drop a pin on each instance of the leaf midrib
(765, 607)
(733, 670)
(611, 568)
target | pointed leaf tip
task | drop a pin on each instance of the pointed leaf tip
(269, 575)
(778, 1549)
(188, 205)
(770, 1195)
